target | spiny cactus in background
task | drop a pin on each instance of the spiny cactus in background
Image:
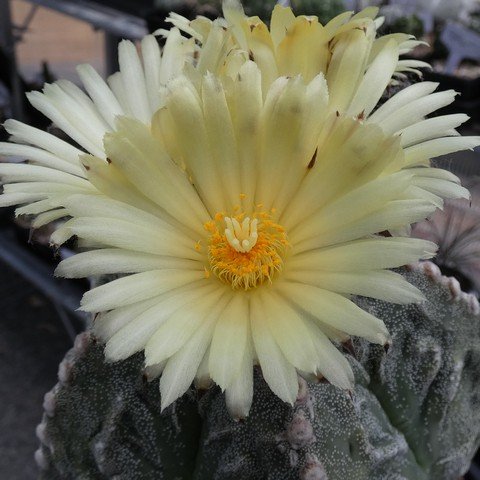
(456, 231)
(413, 415)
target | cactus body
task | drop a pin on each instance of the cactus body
(414, 414)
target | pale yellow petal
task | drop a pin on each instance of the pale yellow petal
(415, 111)
(133, 328)
(421, 153)
(375, 81)
(113, 260)
(222, 148)
(38, 156)
(135, 288)
(182, 366)
(335, 310)
(107, 324)
(435, 127)
(368, 254)
(288, 329)
(381, 284)
(120, 234)
(133, 78)
(100, 93)
(331, 363)
(282, 19)
(146, 164)
(183, 323)
(390, 216)
(22, 133)
(184, 108)
(403, 98)
(246, 119)
(239, 394)
(277, 371)
(347, 67)
(229, 341)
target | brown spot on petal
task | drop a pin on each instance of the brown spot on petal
(313, 160)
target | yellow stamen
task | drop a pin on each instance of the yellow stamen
(209, 226)
(246, 251)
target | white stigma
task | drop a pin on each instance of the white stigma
(242, 237)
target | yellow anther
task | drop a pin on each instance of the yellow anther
(209, 226)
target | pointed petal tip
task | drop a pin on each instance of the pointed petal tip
(386, 341)
(239, 414)
(109, 358)
(84, 307)
(234, 5)
(347, 385)
(59, 271)
(150, 374)
(166, 400)
(116, 353)
(84, 68)
(203, 384)
(164, 405)
(125, 43)
(241, 418)
(420, 297)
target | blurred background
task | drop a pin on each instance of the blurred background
(43, 40)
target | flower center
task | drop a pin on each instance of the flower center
(241, 236)
(246, 252)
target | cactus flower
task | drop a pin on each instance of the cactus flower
(241, 213)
